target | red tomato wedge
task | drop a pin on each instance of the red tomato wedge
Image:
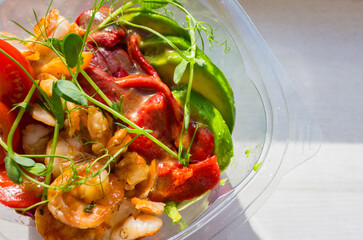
(18, 195)
(6, 121)
(14, 83)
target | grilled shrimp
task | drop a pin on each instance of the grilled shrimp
(75, 119)
(98, 129)
(52, 229)
(35, 138)
(46, 82)
(147, 206)
(42, 115)
(137, 227)
(66, 146)
(132, 169)
(118, 141)
(87, 205)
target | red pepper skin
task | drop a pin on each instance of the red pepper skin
(18, 195)
(104, 81)
(178, 183)
(107, 38)
(153, 115)
(151, 82)
(137, 57)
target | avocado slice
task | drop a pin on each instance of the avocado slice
(155, 21)
(205, 112)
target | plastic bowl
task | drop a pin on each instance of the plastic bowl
(273, 132)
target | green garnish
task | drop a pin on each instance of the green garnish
(257, 166)
(247, 153)
(172, 211)
(88, 208)
(223, 181)
(72, 48)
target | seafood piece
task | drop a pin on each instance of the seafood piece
(118, 141)
(46, 82)
(98, 128)
(132, 169)
(52, 229)
(148, 207)
(87, 205)
(42, 115)
(35, 138)
(75, 119)
(66, 146)
(146, 186)
(54, 25)
(137, 227)
(57, 67)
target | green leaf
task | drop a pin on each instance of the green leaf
(57, 44)
(153, 4)
(69, 92)
(117, 106)
(24, 161)
(38, 168)
(58, 110)
(71, 48)
(172, 211)
(179, 71)
(12, 170)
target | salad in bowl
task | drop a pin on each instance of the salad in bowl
(112, 120)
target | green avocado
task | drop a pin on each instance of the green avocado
(208, 79)
(155, 21)
(204, 111)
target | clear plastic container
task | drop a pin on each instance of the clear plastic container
(272, 124)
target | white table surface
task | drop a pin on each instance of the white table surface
(319, 43)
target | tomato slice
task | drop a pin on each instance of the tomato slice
(14, 83)
(18, 195)
(6, 121)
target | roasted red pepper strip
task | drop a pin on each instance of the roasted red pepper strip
(178, 183)
(104, 81)
(137, 57)
(151, 82)
(153, 115)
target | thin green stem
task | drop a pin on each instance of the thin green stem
(96, 88)
(51, 159)
(18, 119)
(3, 144)
(159, 35)
(116, 12)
